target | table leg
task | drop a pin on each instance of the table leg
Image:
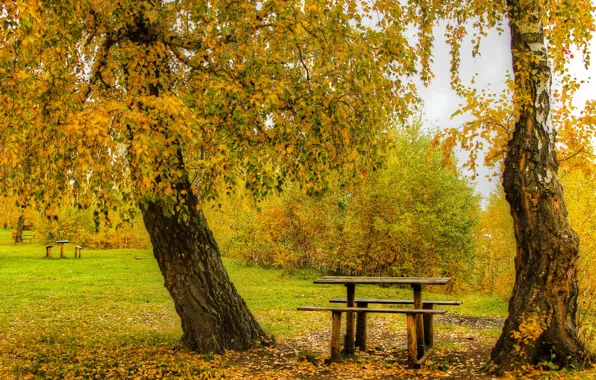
(361, 327)
(61, 251)
(428, 327)
(349, 340)
(412, 341)
(419, 319)
(335, 333)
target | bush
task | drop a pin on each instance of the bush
(412, 217)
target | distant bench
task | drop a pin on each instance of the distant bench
(23, 237)
(427, 317)
(413, 360)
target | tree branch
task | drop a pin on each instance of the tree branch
(101, 63)
(182, 58)
(573, 155)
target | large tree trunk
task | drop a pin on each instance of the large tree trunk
(542, 324)
(214, 316)
(20, 226)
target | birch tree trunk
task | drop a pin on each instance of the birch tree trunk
(542, 323)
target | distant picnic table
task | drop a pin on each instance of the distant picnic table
(418, 319)
(61, 243)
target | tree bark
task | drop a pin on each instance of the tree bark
(20, 226)
(214, 316)
(542, 323)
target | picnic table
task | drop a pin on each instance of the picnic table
(61, 243)
(416, 283)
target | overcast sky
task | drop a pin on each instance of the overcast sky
(491, 66)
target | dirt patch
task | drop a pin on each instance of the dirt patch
(470, 321)
(459, 354)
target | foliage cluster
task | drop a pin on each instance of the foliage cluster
(412, 217)
(9, 214)
(494, 244)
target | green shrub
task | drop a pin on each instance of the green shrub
(412, 217)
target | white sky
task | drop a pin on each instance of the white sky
(491, 66)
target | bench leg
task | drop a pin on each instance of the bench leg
(349, 340)
(361, 327)
(428, 327)
(412, 341)
(335, 335)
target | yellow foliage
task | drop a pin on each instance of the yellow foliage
(580, 200)
(530, 329)
(495, 246)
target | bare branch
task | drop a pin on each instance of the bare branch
(182, 58)
(573, 155)
(101, 63)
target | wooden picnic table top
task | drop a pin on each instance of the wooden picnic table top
(62, 241)
(383, 280)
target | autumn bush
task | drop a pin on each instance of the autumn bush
(580, 199)
(494, 244)
(411, 217)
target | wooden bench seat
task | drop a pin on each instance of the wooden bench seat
(427, 318)
(413, 355)
(23, 238)
(396, 302)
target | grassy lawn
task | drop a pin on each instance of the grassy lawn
(108, 314)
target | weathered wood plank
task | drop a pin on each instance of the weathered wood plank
(369, 310)
(419, 322)
(423, 359)
(383, 280)
(396, 302)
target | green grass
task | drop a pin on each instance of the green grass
(115, 300)
(122, 288)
